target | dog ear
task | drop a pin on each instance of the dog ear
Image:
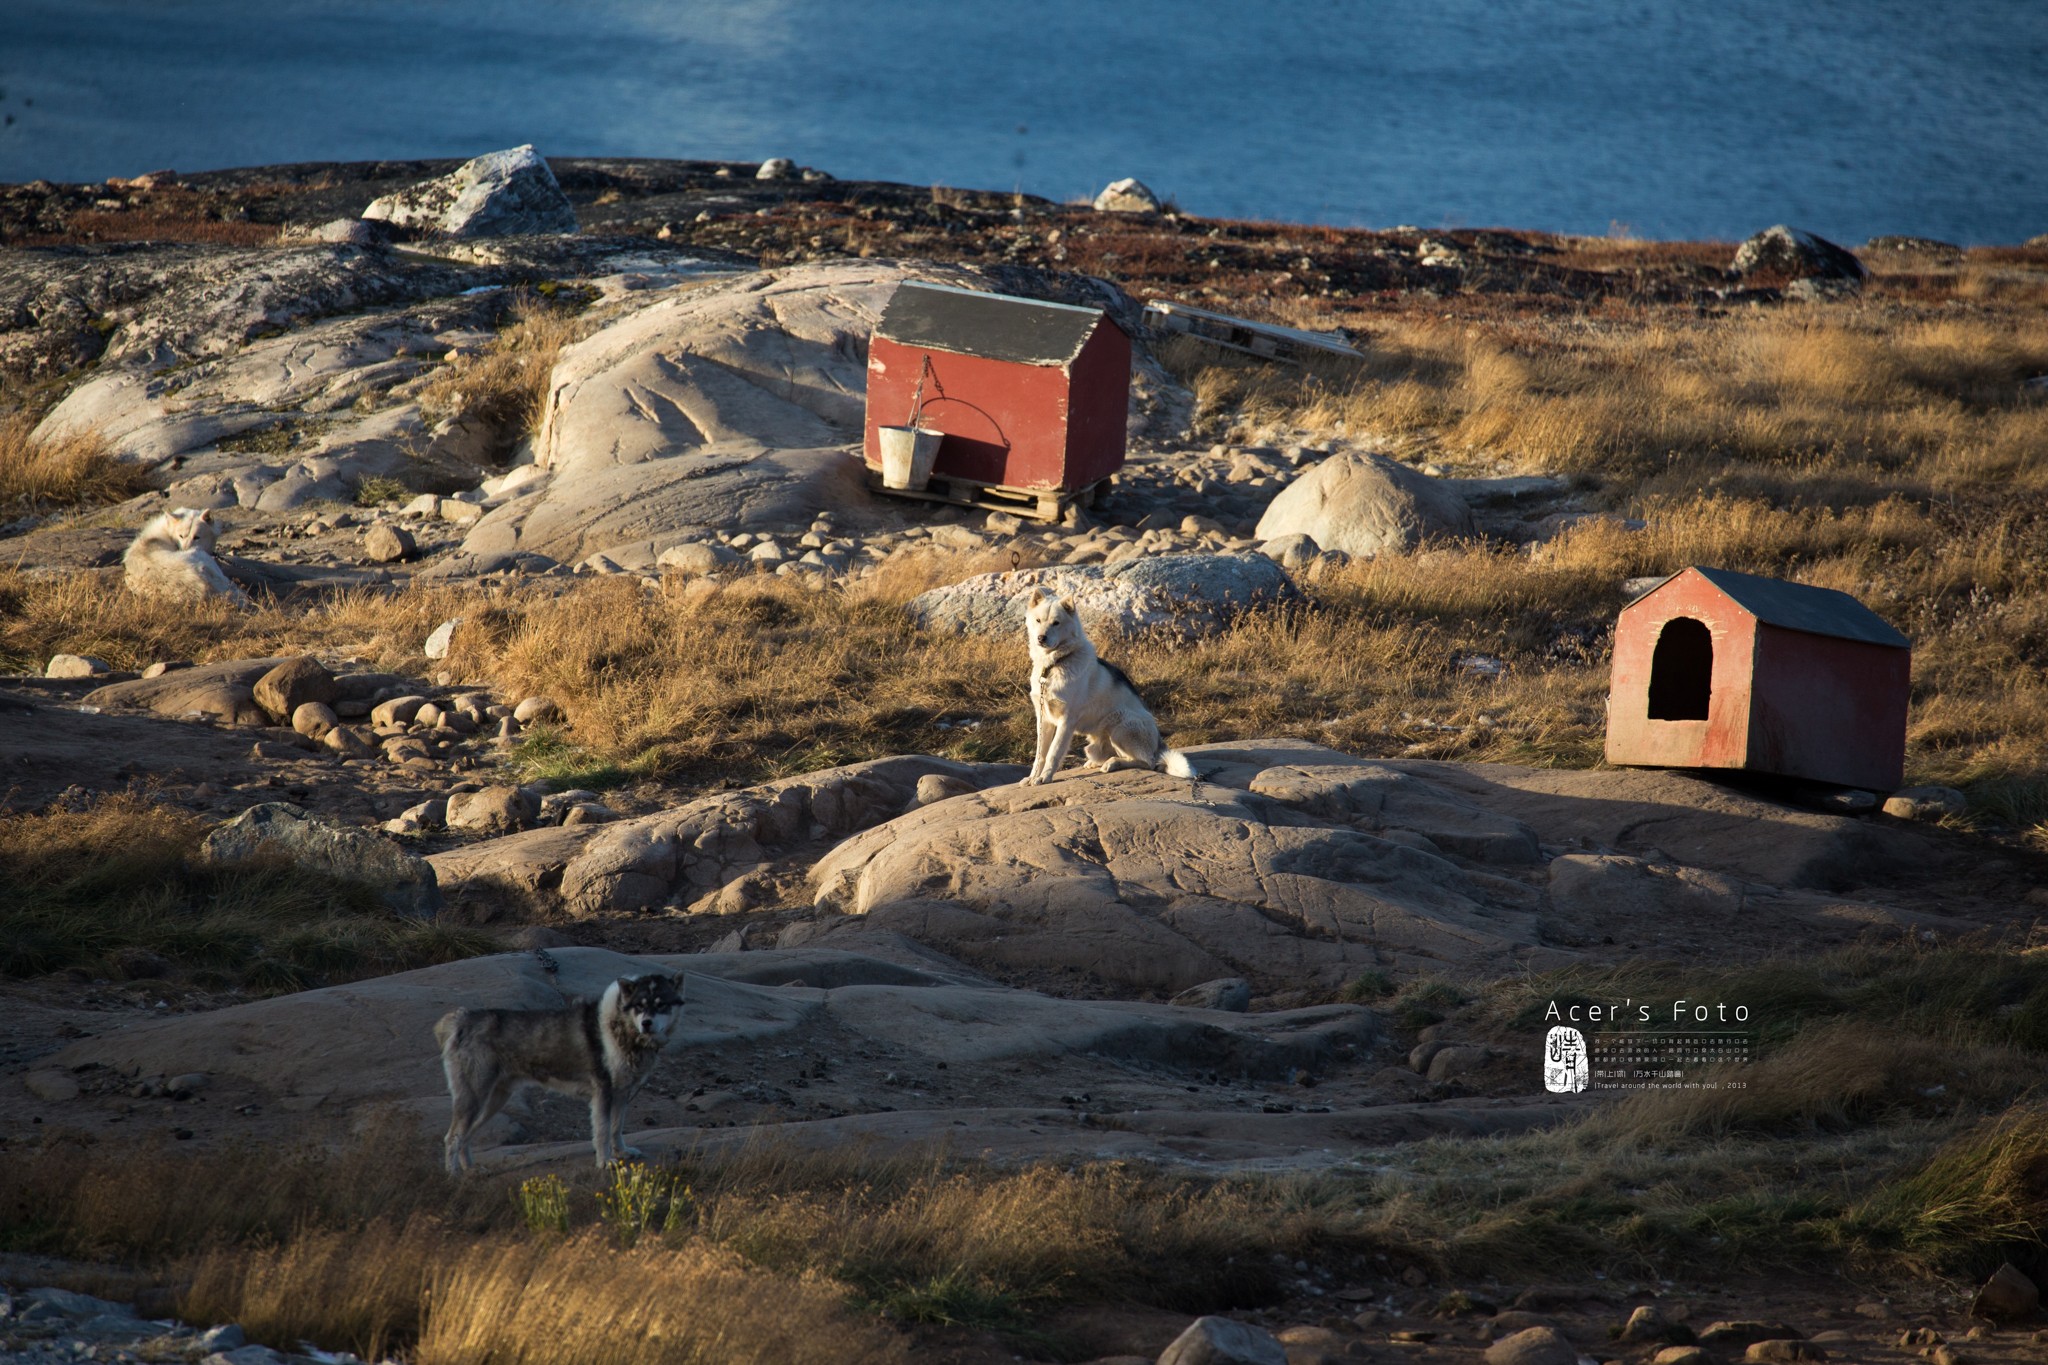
(1037, 596)
(1066, 603)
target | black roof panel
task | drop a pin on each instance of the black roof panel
(1800, 606)
(999, 326)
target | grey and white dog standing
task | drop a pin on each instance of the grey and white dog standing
(1073, 692)
(602, 1049)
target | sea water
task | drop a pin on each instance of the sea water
(1657, 118)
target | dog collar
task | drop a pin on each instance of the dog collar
(1055, 661)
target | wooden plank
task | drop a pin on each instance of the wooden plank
(1265, 340)
(1037, 504)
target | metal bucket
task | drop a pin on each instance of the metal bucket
(907, 456)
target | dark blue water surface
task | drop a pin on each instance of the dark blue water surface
(1671, 118)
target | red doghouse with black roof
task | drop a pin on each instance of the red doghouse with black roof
(1718, 669)
(1031, 396)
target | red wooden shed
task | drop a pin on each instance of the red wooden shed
(1031, 396)
(1718, 669)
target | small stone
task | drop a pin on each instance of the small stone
(1645, 1324)
(1533, 1346)
(1925, 803)
(1783, 1351)
(776, 168)
(425, 505)
(1682, 1355)
(1231, 993)
(388, 544)
(438, 643)
(1452, 1062)
(1224, 1341)
(493, 810)
(1003, 524)
(225, 1337)
(695, 559)
(314, 719)
(2008, 1296)
(537, 711)
(589, 813)
(52, 1087)
(396, 710)
(935, 787)
(1295, 551)
(161, 667)
(76, 666)
(186, 1084)
(348, 741)
(458, 512)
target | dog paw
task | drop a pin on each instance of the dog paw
(1029, 781)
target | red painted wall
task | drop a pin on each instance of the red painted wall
(1783, 701)
(1719, 741)
(1027, 426)
(1829, 709)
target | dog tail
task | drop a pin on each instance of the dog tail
(1176, 764)
(445, 1027)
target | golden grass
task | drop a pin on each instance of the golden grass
(456, 1299)
(72, 469)
(505, 387)
(119, 888)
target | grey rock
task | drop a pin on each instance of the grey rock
(348, 741)
(397, 710)
(51, 1087)
(1190, 595)
(1822, 289)
(537, 711)
(1925, 803)
(696, 558)
(1296, 551)
(1533, 1346)
(1794, 251)
(1645, 1324)
(76, 666)
(116, 1326)
(935, 787)
(314, 719)
(443, 636)
(1364, 505)
(246, 1355)
(225, 1337)
(388, 544)
(1232, 993)
(223, 691)
(1225, 1341)
(292, 684)
(73, 1304)
(776, 168)
(1126, 196)
(408, 884)
(589, 813)
(494, 810)
(496, 195)
(2008, 1296)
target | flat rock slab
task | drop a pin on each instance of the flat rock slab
(1188, 594)
(220, 691)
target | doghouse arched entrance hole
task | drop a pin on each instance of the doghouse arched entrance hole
(1682, 671)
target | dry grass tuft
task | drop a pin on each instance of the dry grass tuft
(118, 888)
(504, 389)
(73, 469)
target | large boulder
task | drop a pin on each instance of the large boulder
(1786, 250)
(278, 828)
(1365, 505)
(1187, 594)
(221, 691)
(1127, 196)
(292, 684)
(501, 194)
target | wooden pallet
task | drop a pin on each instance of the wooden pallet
(1037, 504)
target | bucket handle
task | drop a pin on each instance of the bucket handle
(917, 394)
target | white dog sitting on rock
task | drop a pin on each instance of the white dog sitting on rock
(1074, 692)
(172, 557)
